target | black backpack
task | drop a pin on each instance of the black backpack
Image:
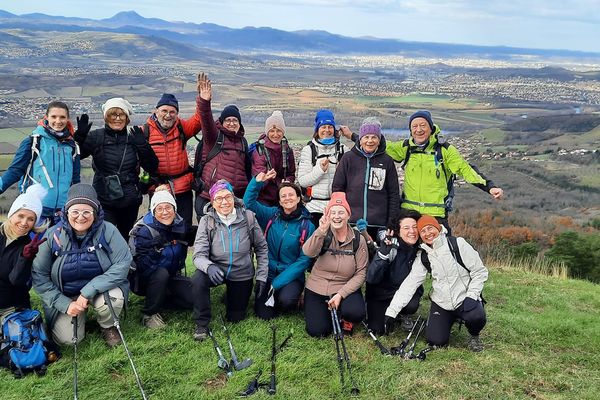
(259, 147)
(198, 184)
(339, 152)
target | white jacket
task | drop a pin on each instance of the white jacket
(451, 283)
(309, 175)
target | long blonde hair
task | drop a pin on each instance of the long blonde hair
(7, 230)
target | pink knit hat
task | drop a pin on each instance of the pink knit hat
(338, 199)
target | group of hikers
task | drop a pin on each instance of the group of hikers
(263, 223)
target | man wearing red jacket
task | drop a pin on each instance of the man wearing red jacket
(168, 135)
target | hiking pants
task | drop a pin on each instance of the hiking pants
(122, 217)
(62, 330)
(185, 208)
(440, 322)
(318, 317)
(165, 291)
(376, 311)
(238, 296)
(286, 300)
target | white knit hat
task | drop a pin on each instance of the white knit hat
(30, 200)
(117, 102)
(162, 196)
(275, 120)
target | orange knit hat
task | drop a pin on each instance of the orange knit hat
(338, 199)
(428, 220)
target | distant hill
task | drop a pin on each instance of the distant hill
(265, 39)
(574, 123)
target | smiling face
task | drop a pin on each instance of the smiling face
(326, 131)
(428, 234)
(164, 213)
(339, 217)
(57, 118)
(232, 124)
(22, 221)
(420, 130)
(408, 230)
(81, 217)
(288, 199)
(275, 135)
(116, 119)
(166, 116)
(223, 202)
(369, 143)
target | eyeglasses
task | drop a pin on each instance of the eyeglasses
(231, 121)
(165, 209)
(76, 213)
(167, 112)
(117, 116)
(221, 199)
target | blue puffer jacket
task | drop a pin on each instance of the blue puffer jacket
(61, 159)
(287, 262)
(162, 251)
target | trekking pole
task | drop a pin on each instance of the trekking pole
(336, 338)
(253, 385)
(117, 325)
(399, 350)
(409, 355)
(74, 340)
(222, 362)
(273, 382)
(284, 155)
(382, 348)
(423, 353)
(354, 389)
(234, 360)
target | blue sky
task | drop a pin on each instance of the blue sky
(549, 24)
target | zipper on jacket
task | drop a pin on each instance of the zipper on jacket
(230, 251)
(366, 188)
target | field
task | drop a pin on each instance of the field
(541, 342)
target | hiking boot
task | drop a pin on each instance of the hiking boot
(200, 333)
(111, 336)
(406, 323)
(347, 327)
(475, 344)
(153, 321)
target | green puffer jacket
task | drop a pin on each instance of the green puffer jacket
(426, 180)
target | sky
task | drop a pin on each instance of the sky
(544, 24)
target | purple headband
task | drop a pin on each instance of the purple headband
(219, 185)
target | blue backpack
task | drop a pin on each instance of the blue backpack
(23, 346)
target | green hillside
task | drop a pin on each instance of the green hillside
(541, 342)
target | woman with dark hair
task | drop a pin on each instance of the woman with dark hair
(117, 156)
(286, 228)
(390, 266)
(49, 156)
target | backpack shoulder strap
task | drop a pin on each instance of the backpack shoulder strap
(270, 222)
(303, 231)
(102, 242)
(181, 134)
(216, 149)
(425, 260)
(454, 249)
(146, 129)
(313, 153)
(356, 240)
(250, 219)
(326, 242)
(406, 143)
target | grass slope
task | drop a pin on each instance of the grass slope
(541, 341)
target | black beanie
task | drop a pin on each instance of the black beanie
(168, 99)
(422, 114)
(82, 193)
(230, 111)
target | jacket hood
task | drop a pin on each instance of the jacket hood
(178, 225)
(433, 139)
(380, 148)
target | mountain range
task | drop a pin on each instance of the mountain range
(266, 40)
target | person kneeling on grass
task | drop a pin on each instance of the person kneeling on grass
(159, 252)
(339, 270)
(456, 286)
(83, 264)
(227, 236)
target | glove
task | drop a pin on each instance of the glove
(137, 136)
(83, 126)
(30, 250)
(361, 225)
(387, 245)
(469, 304)
(260, 289)
(388, 325)
(215, 274)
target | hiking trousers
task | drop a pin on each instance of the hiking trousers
(440, 322)
(318, 317)
(286, 300)
(165, 291)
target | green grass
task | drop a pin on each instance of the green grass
(541, 342)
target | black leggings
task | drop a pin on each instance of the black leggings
(238, 297)
(122, 217)
(318, 317)
(165, 291)
(376, 311)
(286, 300)
(440, 322)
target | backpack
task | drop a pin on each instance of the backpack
(248, 216)
(56, 247)
(198, 184)
(23, 347)
(146, 129)
(339, 152)
(259, 147)
(455, 251)
(438, 159)
(303, 228)
(35, 153)
(329, 238)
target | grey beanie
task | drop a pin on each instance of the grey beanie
(82, 193)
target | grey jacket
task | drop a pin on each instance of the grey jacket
(230, 247)
(451, 283)
(46, 271)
